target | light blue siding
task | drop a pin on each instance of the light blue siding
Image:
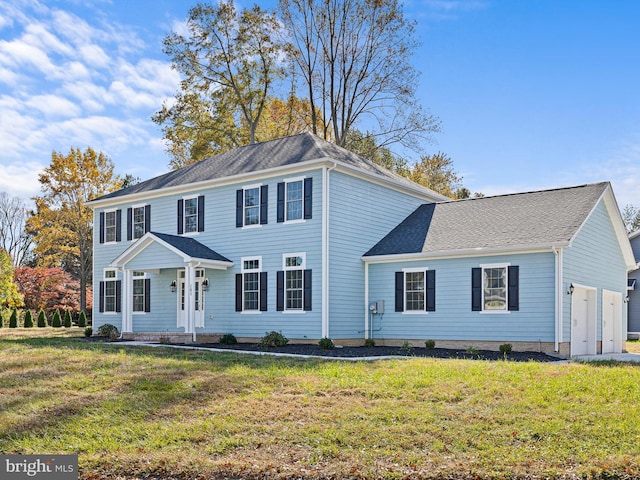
(594, 260)
(269, 241)
(361, 213)
(453, 318)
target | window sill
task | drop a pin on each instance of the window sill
(415, 312)
(294, 312)
(293, 222)
(251, 312)
(494, 312)
(250, 227)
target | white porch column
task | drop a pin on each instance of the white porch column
(126, 299)
(189, 281)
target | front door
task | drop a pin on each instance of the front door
(611, 322)
(198, 299)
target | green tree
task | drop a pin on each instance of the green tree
(436, 172)
(82, 319)
(56, 321)
(9, 295)
(28, 319)
(354, 60)
(364, 144)
(67, 318)
(42, 319)
(631, 218)
(229, 61)
(13, 319)
(63, 224)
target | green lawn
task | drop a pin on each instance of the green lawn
(169, 413)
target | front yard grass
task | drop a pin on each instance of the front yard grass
(164, 413)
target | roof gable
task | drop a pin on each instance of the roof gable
(516, 221)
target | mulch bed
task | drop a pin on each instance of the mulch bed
(355, 352)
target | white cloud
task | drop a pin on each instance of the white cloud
(20, 180)
(53, 106)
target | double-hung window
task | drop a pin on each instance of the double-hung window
(293, 284)
(252, 206)
(415, 290)
(495, 288)
(110, 226)
(141, 293)
(110, 286)
(251, 286)
(191, 214)
(138, 221)
(295, 200)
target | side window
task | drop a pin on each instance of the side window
(110, 226)
(293, 284)
(110, 288)
(415, 290)
(191, 215)
(252, 206)
(141, 293)
(138, 221)
(251, 286)
(295, 200)
(495, 288)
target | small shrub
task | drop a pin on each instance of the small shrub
(406, 346)
(28, 319)
(109, 331)
(67, 318)
(472, 350)
(88, 332)
(326, 344)
(228, 339)
(369, 343)
(56, 321)
(1, 318)
(42, 319)
(429, 344)
(273, 339)
(82, 319)
(506, 349)
(13, 319)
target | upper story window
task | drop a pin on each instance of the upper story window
(138, 221)
(252, 206)
(295, 197)
(495, 288)
(251, 286)
(110, 226)
(416, 290)
(191, 214)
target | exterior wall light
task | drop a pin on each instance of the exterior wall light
(205, 284)
(570, 291)
(172, 287)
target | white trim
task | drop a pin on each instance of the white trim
(115, 226)
(286, 182)
(256, 186)
(500, 311)
(297, 268)
(257, 270)
(184, 215)
(366, 301)
(325, 249)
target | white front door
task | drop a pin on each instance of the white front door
(198, 299)
(583, 324)
(611, 322)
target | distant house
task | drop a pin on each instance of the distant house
(633, 290)
(301, 236)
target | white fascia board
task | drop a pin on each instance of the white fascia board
(213, 264)
(140, 245)
(471, 252)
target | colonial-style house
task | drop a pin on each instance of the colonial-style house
(301, 236)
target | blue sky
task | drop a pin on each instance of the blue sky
(531, 94)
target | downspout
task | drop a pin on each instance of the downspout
(366, 300)
(325, 250)
(559, 294)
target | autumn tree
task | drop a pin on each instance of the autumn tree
(436, 172)
(631, 218)
(229, 61)
(49, 288)
(364, 144)
(63, 223)
(9, 295)
(14, 238)
(353, 57)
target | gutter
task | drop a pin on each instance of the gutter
(559, 297)
(325, 249)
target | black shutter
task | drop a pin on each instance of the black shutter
(147, 218)
(129, 223)
(180, 216)
(399, 291)
(118, 295)
(201, 213)
(101, 227)
(118, 225)
(263, 291)
(147, 295)
(306, 302)
(308, 196)
(239, 210)
(280, 291)
(513, 299)
(238, 292)
(431, 291)
(280, 204)
(101, 299)
(476, 289)
(264, 199)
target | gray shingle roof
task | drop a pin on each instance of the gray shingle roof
(506, 221)
(262, 156)
(191, 247)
